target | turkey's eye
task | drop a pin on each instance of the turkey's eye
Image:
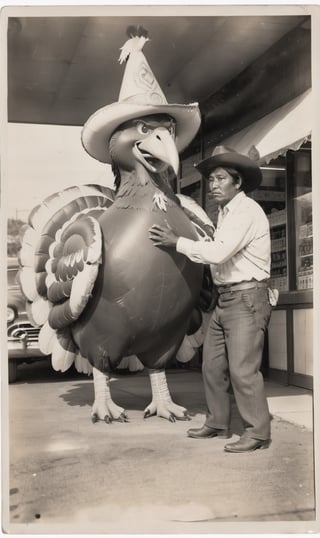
(143, 128)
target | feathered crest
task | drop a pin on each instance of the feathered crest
(137, 38)
(137, 31)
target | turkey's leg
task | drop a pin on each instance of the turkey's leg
(104, 407)
(162, 404)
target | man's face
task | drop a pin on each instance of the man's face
(222, 186)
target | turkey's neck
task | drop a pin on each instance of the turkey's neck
(137, 189)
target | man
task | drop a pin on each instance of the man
(240, 264)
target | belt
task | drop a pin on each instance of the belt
(242, 286)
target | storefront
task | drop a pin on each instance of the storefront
(281, 142)
(251, 76)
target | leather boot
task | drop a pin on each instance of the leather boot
(205, 432)
(246, 444)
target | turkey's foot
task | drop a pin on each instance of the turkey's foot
(162, 404)
(109, 413)
(168, 410)
(104, 407)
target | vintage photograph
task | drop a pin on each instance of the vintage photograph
(158, 266)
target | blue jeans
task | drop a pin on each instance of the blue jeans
(232, 353)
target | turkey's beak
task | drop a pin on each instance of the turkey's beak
(157, 151)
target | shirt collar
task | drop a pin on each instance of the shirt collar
(231, 206)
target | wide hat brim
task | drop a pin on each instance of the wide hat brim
(249, 170)
(98, 129)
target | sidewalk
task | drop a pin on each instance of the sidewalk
(148, 476)
(289, 403)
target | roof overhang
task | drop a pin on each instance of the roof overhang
(287, 127)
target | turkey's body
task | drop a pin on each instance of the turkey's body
(101, 288)
(143, 296)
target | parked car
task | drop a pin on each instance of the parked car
(22, 336)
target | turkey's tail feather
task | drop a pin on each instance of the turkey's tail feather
(59, 261)
(82, 365)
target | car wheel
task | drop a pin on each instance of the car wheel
(13, 367)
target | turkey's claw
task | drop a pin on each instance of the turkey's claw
(108, 413)
(173, 418)
(185, 416)
(123, 417)
(162, 404)
(95, 418)
(166, 409)
(104, 407)
(151, 410)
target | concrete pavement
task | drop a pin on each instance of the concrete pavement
(69, 475)
(289, 403)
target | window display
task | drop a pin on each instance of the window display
(302, 199)
(271, 195)
(279, 261)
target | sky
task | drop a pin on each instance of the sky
(43, 159)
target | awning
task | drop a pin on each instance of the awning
(287, 127)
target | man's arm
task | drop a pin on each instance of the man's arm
(231, 240)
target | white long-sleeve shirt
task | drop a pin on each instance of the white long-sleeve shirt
(241, 249)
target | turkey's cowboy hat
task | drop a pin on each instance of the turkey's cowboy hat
(222, 156)
(140, 95)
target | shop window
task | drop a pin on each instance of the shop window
(271, 195)
(302, 210)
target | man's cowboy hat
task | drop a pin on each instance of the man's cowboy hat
(140, 95)
(223, 156)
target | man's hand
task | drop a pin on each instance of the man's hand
(163, 236)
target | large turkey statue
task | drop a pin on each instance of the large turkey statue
(94, 280)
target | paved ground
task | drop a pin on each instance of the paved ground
(69, 475)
